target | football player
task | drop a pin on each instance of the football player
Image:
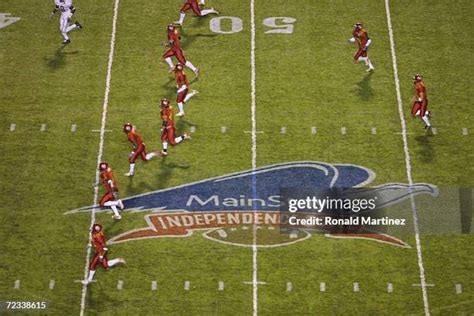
(100, 257)
(175, 50)
(359, 35)
(168, 129)
(110, 198)
(67, 10)
(420, 104)
(194, 5)
(182, 84)
(138, 148)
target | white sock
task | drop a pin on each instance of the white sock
(369, 64)
(150, 156)
(426, 120)
(91, 275)
(65, 36)
(112, 262)
(165, 146)
(188, 96)
(111, 203)
(178, 139)
(169, 61)
(190, 66)
(181, 17)
(417, 113)
(114, 209)
(181, 107)
(132, 167)
(208, 11)
(202, 2)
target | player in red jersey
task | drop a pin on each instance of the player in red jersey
(194, 5)
(100, 257)
(168, 130)
(138, 150)
(359, 35)
(420, 104)
(110, 198)
(182, 84)
(174, 44)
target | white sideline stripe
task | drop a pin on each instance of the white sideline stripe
(254, 157)
(256, 132)
(193, 129)
(221, 285)
(322, 287)
(186, 285)
(426, 284)
(119, 285)
(407, 159)
(51, 284)
(73, 128)
(222, 233)
(465, 131)
(356, 287)
(389, 287)
(223, 129)
(43, 127)
(154, 285)
(283, 130)
(458, 288)
(16, 285)
(343, 130)
(100, 130)
(289, 286)
(12, 127)
(373, 130)
(101, 148)
(255, 282)
(313, 130)
(434, 130)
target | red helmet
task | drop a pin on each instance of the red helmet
(96, 227)
(179, 67)
(165, 102)
(417, 77)
(103, 166)
(358, 25)
(127, 127)
(170, 27)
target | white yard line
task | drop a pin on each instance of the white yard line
(254, 155)
(407, 160)
(101, 148)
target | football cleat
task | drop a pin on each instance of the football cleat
(121, 260)
(85, 282)
(164, 153)
(177, 23)
(79, 26)
(194, 92)
(180, 113)
(129, 174)
(116, 217)
(186, 136)
(196, 72)
(428, 127)
(65, 42)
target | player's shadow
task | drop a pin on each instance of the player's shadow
(166, 170)
(189, 39)
(182, 124)
(59, 58)
(425, 149)
(364, 89)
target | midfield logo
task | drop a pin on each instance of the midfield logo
(6, 20)
(228, 209)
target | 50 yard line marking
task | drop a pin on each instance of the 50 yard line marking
(254, 158)
(407, 160)
(101, 147)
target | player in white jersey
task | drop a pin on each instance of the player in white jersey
(67, 10)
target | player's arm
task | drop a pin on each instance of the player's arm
(55, 9)
(367, 44)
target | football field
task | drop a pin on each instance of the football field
(281, 104)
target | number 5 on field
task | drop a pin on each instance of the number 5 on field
(279, 25)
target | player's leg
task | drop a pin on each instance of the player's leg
(167, 58)
(190, 95)
(182, 13)
(113, 262)
(367, 61)
(187, 63)
(180, 102)
(109, 201)
(415, 110)
(63, 21)
(425, 114)
(131, 162)
(209, 11)
(92, 267)
(176, 140)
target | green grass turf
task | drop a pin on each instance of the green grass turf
(304, 79)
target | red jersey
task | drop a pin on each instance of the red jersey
(105, 177)
(167, 116)
(181, 79)
(135, 138)
(361, 37)
(98, 240)
(174, 39)
(420, 91)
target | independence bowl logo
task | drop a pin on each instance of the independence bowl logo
(230, 209)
